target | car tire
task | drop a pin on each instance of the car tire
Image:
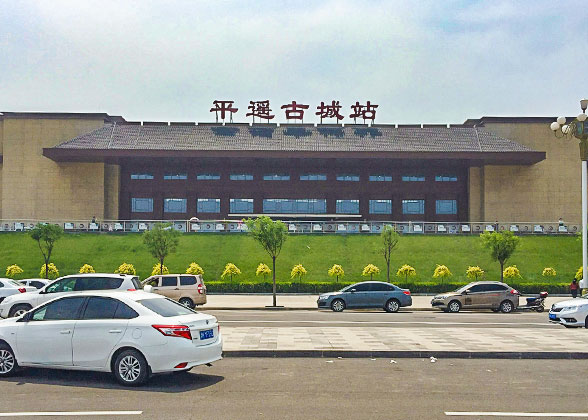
(130, 368)
(506, 306)
(540, 308)
(338, 305)
(187, 302)
(586, 322)
(8, 363)
(18, 310)
(454, 306)
(392, 305)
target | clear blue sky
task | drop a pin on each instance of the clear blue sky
(421, 61)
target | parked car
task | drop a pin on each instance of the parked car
(479, 295)
(18, 305)
(36, 283)
(9, 287)
(570, 313)
(188, 289)
(367, 294)
(131, 334)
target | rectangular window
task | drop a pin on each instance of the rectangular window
(347, 207)
(413, 178)
(380, 206)
(141, 205)
(348, 177)
(207, 177)
(142, 175)
(175, 175)
(241, 205)
(241, 177)
(413, 206)
(302, 206)
(175, 205)
(276, 177)
(313, 177)
(446, 207)
(208, 205)
(381, 178)
(446, 178)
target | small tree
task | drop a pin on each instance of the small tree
(13, 270)
(262, 270)
(230, 270)
(370, 270)
(194, 269)
(87, 268)
(441, 272)
(474, 273)
(46, 235)
(501, 245)
(579, 274)
(125, 268)
(511, 272)
(161, 241)
(159, 269)
(49, 271)
(390, 238)
(549, 272)
(336, 271)
(298, 271)
(406, 271)
(271, 236)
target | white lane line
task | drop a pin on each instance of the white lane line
(244, 321)
(514, 414)
(72, 413)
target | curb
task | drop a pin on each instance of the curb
(404, 354)
(264, 308)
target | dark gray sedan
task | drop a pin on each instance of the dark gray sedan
(367, 294)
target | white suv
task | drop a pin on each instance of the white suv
(18, 305)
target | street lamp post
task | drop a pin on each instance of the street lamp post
(578, 128)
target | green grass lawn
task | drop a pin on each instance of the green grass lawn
(316, 252)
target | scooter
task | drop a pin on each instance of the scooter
(535, 303)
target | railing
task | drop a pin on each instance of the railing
(306, 227)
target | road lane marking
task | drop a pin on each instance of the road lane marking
(244, 321)
(72, 413)
(514, 414)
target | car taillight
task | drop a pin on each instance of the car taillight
(200, 288)
(406, 292)
(174, 330)
(22, 290)
(131, 290)
(514, 291)
(218, 329)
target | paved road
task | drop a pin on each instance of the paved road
(243, 388)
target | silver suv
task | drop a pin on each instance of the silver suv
(18, 305)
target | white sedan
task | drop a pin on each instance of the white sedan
(9, 287)
(570, 313)
(131, 334)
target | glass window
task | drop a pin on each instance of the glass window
(313, 177)
(381, 178)
(413, 178)
(446, 207)
(141, 205)
(362, 287)
(64, 285)
(62, 309)
(446, 178)
(347, 207)
(208, 205)
(175, 205)
(207, 177)
(165, 307)
(241, 177)
(169, 282)
(476, 289)
(303, 205)
(175, 175)
(413, 206)
(348, 177)
(380, 206)
(187, 280)
(382, 287)
(495, 288)
(141, 176)
(241, 205)
(123, 311)
(100, 308)
(37, 284)
(98, 283)
(276, 177)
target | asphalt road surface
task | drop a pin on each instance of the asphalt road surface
(377, 318)
(257, 388)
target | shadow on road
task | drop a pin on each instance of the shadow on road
(167, 383)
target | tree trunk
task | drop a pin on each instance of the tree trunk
(337, 279)
(46, 271)
(502, 271)
(274, 279)
(388, 270)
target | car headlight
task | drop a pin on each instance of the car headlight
(441, 297)
(323, 297)
(570, 308)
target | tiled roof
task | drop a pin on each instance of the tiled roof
(321, 138)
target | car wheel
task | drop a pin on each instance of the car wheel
(540, 308)
(8, 364)
(586, 322)
(187, 302)
(392, 305)
(18, 310)
(130, 368)
(338, 305)
(454, 306)
(506, 307)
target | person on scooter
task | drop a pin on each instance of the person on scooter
(574, 286)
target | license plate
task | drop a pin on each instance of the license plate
(206, 334)
(552, 316)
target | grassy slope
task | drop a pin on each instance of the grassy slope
(316, 252)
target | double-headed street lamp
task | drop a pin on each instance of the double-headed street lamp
(578, 128)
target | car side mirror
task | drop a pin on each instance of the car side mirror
(465, 292)
(148, 288)
(25, 318)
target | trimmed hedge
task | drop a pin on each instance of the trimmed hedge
(323, 287)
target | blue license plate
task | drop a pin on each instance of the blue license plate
(552, 316)
(206, 334)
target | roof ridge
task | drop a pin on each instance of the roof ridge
(478, 138)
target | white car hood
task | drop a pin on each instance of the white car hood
(571, 302)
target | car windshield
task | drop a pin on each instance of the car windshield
(462, 288)
(347, 288)
(166, 307)
(15, 283)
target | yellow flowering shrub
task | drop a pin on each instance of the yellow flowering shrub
(263, 270)
(13, 270)
(549, 272)
(53, 272)
(125, 268)
(298, 271)
(474, 273)
(194, 269)
(441, 272)
(158, 269)
(370, 270)
(511, 272)
(87, 268)
(336, 271)
(230, 270)
(406, 271)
